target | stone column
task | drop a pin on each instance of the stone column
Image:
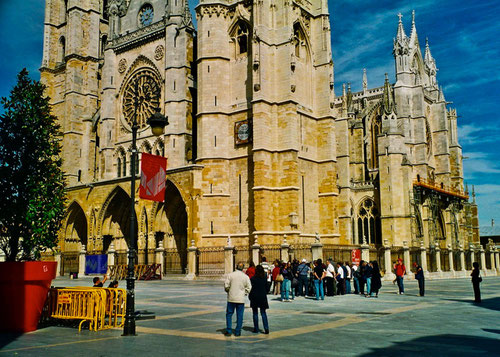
(256, 251)
(450, 258)
(228, 257)
(81, 261)
(57, 255)
(389, 274)
(423, 257)
(497, 259)
(406, 257)
(317, 249)
(462, 257)
(472, 254)
(492, 257)
(192, 261)
(365, 251)
(160, 256)
(284, 249)
(437, 252)
(483, 258)
(141, 255)
(111, 254)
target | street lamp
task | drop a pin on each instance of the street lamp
(158, 123)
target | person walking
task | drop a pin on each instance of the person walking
(348, 278)
(476, 280)
(258, 299)
(362, 280)
(303, 275)
(329, 277)
(319, 275)
(400, 270)
(419, 276)
(376, 281)
(237, 286)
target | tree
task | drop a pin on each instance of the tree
(32, 185)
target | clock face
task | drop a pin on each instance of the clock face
(146, 15)
(242, 132)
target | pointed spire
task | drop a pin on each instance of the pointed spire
(441, 95)
(343, 89)
(365, 80)
(428, 55)
(350, 107)
(473, 195)
(387, 104)
(187, 18)
(401, 35)
(413, 34)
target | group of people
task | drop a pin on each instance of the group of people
(319, 279)
(98, 283)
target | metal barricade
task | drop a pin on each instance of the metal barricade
(103, 308)
(211, 261)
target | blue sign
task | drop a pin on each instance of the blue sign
(96, 264)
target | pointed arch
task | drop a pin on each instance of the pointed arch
(303, 48)
(159, 147)
(76, 229)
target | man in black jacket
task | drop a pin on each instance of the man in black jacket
(419, 276)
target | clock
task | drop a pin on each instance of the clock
(241, 132)
(146, 15)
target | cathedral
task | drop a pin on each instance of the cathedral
(263, 158)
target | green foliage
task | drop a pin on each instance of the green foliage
(32, 186)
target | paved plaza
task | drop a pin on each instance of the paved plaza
(190, 320)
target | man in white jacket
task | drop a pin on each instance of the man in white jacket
(237, 285)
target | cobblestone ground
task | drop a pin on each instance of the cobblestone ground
(190, 320)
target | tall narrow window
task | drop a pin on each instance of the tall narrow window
(124, 165)
(239, 195)
(242, 38)
(369, 226)
(62, 49)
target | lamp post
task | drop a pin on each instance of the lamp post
(157, 122)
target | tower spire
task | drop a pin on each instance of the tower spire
(401, 35)
(388, 104)
(365, 81)
(413, 34)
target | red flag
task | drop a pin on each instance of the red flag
(153, 175)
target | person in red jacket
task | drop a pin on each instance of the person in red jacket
(251, 270)
(400, 270)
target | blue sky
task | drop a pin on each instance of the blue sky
(465, 41)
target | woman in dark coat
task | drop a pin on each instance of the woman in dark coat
(476, 280)
(258, 299)
(376, 279)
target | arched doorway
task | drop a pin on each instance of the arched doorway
(170, 227)
(116, 223)
(75, 235)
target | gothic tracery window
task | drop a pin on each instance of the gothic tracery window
(369, 226)
(299, 40)
(376, 129)
(145, 88)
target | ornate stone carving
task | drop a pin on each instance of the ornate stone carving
(145, 88)
(122, 65)
(159, 51)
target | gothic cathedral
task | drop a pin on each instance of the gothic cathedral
(262, 156)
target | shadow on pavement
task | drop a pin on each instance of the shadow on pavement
(6, 338)
(440, 345)
(492, 303)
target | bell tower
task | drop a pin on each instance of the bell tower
(265, 117)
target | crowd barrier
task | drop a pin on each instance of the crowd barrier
(103, 308)
(141, 271)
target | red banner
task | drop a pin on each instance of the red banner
(153, 175)
(356, 256)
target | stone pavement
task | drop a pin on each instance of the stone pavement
(190, 320)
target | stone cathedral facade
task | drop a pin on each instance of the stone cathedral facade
(261, 152)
